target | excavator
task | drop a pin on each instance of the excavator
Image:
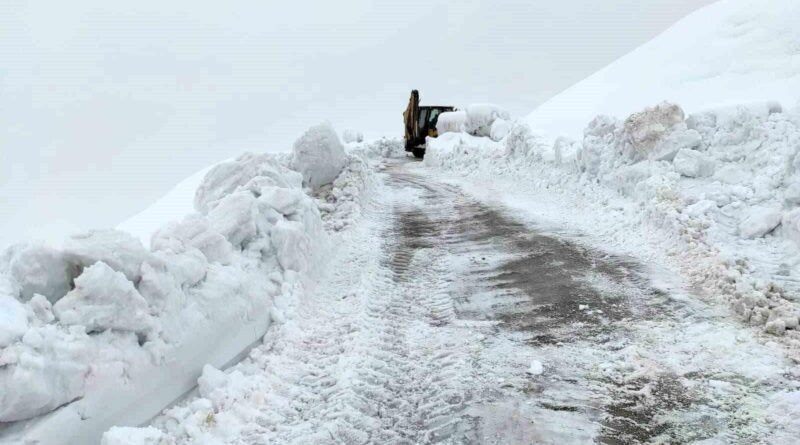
(420, 123)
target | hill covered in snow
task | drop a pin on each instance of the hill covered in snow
(728, 53)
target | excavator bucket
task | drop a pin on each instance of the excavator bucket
(410, 117)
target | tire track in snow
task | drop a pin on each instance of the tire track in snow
(423, 330)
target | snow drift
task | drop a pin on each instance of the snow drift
(111, 331)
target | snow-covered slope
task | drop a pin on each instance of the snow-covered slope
(731, 52)
(174, 205)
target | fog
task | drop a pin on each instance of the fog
(105, 106)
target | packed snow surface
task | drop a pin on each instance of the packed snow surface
(728, 53)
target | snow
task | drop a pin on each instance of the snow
(500, 129)
(716, 186)
(104, 299)
(481, 117)
(132, 436)
(451, 122)
(173, 206)
(693, 164)
(536, 368)
(730, 52)
(115, 331)
(352, 136)
(318, 155)
(13, 320)
(757, 221)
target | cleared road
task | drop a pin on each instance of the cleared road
(442, 319)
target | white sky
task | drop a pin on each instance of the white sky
(105, 106)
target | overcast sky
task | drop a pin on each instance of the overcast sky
(104, 106)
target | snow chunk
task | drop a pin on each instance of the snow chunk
(318, 155)
(758, 221)
(104, 299)
(43, 270)
(791, 225)
(291, 245)
(234, 217)
(500, 129)
(132, 436)
(32, 383)
(565, 150)
(210, 380)
(193, 232)
(521, 141)
(791, 195)
(118, 250)
(41, 310)
(480, 117)
(451, 122)
(693, 164)
(351, 136)
(226, 177)
(536, 368)
(656, 133)
(38, 269)
(13, 320)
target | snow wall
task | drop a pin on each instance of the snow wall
(102, 331)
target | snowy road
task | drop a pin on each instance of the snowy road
(445, 320)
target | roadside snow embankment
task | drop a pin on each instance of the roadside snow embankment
(477, 120)
(718, 190)
(111, 332)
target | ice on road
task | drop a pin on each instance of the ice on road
(443, 319)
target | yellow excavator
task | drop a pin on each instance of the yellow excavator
(420, 123)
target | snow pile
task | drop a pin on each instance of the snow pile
(318, 155)
(341, 202)
(451, 122)
(120, 331)
(132, 436)
(104, 299)
(480, 118)
(352, 136)
(719, 186)
(727, 53)
(383, 148)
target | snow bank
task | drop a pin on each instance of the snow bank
(340, 203)
(730, 52)
(478, 120)
(318, 155)
(718, 186)
(111, 332)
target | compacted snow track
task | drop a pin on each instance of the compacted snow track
(444, 320)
